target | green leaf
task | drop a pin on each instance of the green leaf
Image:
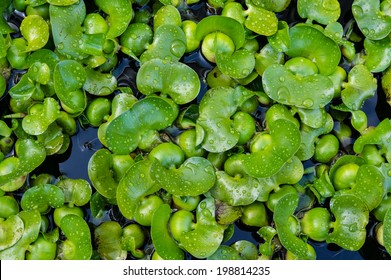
(126, 132)
(238, 65)
(66, 28)
(380, 135)
(285, 141)
(280, 41)
(119, 14)
(284, 87)
(36, 32)
(378, 54)
(309, 135)
(100, 84)
(322, 11)
(194, 177)
(42, 197)
(284, 209)
(76, 191)
(62, 2)
(32, 225)
(69, 77)
(78, 245)
(311, 43)
(38, 123)
(169, 44)
(4, 27)
(12, 231)
(261, 21)
(226, 25)
(236, 191)
(225, 252)
(53, 139)
(103, 173)
(351, 217)
(207, 235)
(268, 233)
(30, 153)
(164, 244)
(369, 186)
(216, 108)
(175, 79)
(361, 85)
(272, 5)
(387, 231)
(107, 236)
(134, 186)
(371, 20)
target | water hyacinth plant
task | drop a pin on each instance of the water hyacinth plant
(166, 129)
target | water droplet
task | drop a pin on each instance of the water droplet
(283, 94)
(245, 72)
(177, 48)
(308, 103)
(365, 31)
(357, 11)
(353, 227)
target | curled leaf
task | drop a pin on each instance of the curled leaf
(107, 236)
(32, 225)
(164, 244)
(195, 176)
(169, 44)
(371, 20)
(309, 136)
(226, 25)
(351, 217)
(127, 131)
(134, 186)
(42, 197)
(175, 79)
(236, 191)
(217, 107)
(36, 32)
(100, 84)
(12, 230)
(119, 14)
(207, 235)
(39, 121)
(361, 85)
(283, 211)
(379, 135)
(286, 88)
(77, 245)
(30, 153)
(76, 191)
(284, 143)
(311, 43)
(103, 173)
(323, 11)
